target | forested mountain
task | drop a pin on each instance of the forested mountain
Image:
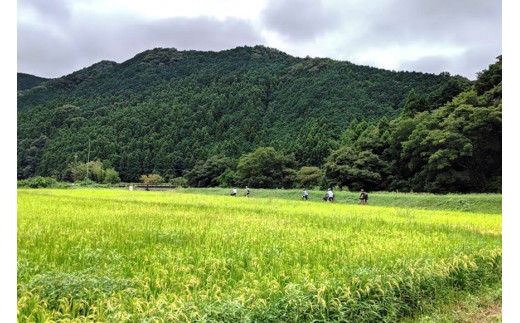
(27, 81)
(172, 112)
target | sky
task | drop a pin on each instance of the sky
(57, 37)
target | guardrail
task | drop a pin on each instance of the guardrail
(156, 187)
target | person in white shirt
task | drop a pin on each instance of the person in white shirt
(305, 195)
(234, 193)
(331, 195)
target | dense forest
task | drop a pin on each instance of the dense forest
(257, 116)
(28, 81)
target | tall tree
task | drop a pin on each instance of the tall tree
(355, 169)
(266, 168)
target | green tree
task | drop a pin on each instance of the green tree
(448, 91)
(179, 182)
(309, 176)
(266, 168)
(112, 176)
(228, 178)
(95, 171)
(152, 179)
(490, 77)
(414, 104)
(205, 174)
(92, 170)
(356, 169)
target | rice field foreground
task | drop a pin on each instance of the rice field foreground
(119, 256)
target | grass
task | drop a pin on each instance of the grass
(482, 306)
(477, 203)
(114, 255)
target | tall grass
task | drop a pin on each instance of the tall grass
(113, 255)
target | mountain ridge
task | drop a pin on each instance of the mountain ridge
(145, 53)
(167, 109)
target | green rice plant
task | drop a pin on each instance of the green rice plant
(115, 255)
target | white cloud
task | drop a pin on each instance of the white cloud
(91, 40)
(161, 9)
(392, 56)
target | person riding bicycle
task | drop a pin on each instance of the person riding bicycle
(305, 195)
(363, 197)
(330, 195)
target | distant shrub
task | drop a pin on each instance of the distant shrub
(89, 183)
(152, 179)
(96, 170)
(228, 178)
(309, 176)
(179, 181)
(111, 176)
(38, 182)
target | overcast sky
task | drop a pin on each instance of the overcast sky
(57, 37)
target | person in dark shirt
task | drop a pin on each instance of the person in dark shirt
(363, 197)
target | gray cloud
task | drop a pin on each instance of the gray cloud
(43, 53)
(461, 37)
(201, 33)
(87, 41)
(48, 10)
(467, 64)
(440, 21)
(471, 28)
(299, 20)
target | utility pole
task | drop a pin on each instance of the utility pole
(88, 156)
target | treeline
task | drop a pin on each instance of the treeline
(203, 117)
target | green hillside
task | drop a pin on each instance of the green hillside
(28, 81)
(164, 110)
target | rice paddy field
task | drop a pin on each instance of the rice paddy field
(119, 256)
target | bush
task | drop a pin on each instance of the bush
(179, 181)
(38, 182)
(89, 183)
(97, 171)
(309, 176)
(152, 179)
(206, 174)
(228, 179)
(112, 176)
